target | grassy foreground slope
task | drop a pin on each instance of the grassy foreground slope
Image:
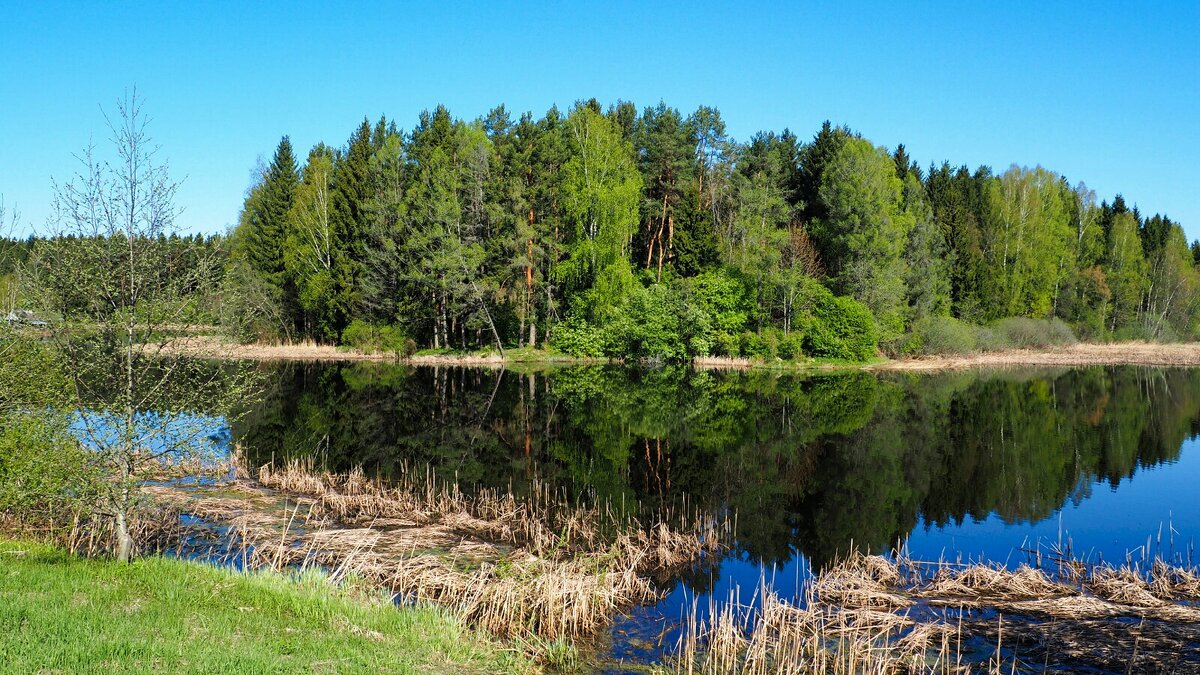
(59, 613)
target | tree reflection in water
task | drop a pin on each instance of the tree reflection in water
(810, 463)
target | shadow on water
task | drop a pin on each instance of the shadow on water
(965, 463)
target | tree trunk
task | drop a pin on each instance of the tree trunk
(124, 538)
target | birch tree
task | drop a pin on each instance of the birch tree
(117, 293)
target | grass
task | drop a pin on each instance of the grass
(60, 613)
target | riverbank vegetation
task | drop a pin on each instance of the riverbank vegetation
(538, 568)
(895, 615)
(60, 613)
(651, 234)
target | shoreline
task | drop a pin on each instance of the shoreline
(1083, 354)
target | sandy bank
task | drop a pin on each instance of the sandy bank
(1121, 353)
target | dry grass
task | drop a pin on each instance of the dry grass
(213, 346)
(536, 567)
(1119, 353)
(871, 614)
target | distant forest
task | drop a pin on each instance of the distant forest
(653, 234)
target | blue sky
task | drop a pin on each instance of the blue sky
(1106, 93)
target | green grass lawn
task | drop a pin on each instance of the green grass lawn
(59, 613)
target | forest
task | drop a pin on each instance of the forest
(609, 232)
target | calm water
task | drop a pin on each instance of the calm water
(962, 465)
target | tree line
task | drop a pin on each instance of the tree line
(654, 234)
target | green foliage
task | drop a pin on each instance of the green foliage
(577, 337)
(1026, 240)
(600, 192)
(499, 227)
(1025, 333)
(837, 327)
(33, 375)
(46, 477)
(370, 338)
(866, 231)
(942, 335)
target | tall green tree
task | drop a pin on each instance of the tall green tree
(601, 190)
(927, 259)
(1027, 237)
(865, 231)
(666, 154)
(311, 244)
(351, 189)
(266, 214)
(1125, 270)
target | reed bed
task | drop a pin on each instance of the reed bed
(538, 568)
(869, 614)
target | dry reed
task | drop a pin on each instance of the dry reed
(872, 614)
(536, 567)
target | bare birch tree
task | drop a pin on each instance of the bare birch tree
(120, 286)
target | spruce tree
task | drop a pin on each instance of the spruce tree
(268, 215)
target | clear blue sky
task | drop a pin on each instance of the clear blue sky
(1106, 93)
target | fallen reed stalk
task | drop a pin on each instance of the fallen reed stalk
(877, 615)
(538, 567)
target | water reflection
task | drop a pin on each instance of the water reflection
(810, 464)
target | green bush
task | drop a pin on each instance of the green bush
(577, 337)
(650, 328)
(942, 335)
(394, 340)
(1024, 333)
(722, 297)
(45, 473)
(726, 344)
(791, 346)
(841, 327)
(369, 338)
(360, 335)
(752, 345)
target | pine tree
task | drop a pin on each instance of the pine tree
(666, 156)
(350, 193)
(267, 214)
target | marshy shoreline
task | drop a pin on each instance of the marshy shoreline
(543, 571)
(1135, 353)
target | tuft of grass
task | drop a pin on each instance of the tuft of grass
(60, 613)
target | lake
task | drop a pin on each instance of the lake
(962, 465)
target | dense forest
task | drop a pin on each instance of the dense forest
(653, 234)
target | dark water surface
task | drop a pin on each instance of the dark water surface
(975, 465)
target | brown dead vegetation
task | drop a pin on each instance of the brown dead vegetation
(872, 614)
(536, 567)
(1084, 354)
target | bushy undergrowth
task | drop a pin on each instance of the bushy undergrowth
(371, 338)
(711, 315)
(44, 472)
(947, 335)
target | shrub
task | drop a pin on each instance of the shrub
(942, 335)
(722, 297)
(577, 337)
(841, 327)
(44, 472)
(370, 338)
(725, 344)
(791, 346)
(651, 326)
(1023, 333)
(360, 335)
(752, 345)
(394, 340)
